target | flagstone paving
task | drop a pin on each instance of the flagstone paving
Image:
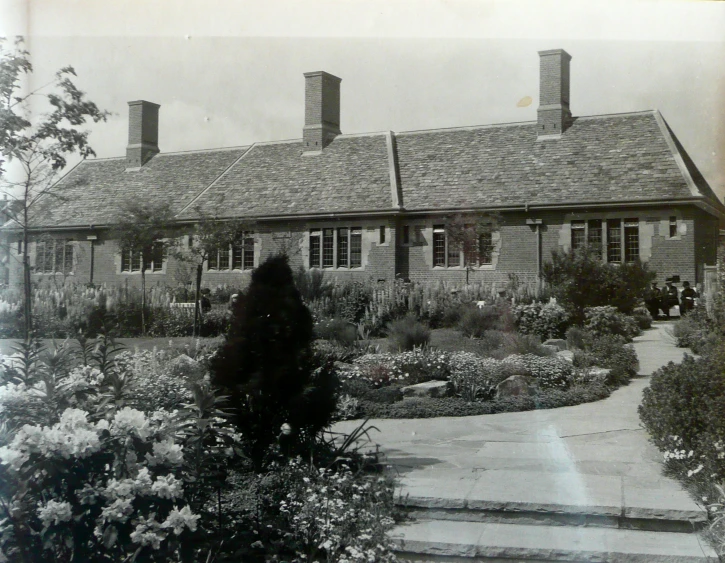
(544, 474)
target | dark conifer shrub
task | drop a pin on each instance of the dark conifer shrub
(268, 367)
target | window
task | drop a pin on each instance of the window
(328, 248)
(578, 234)
(614, 241)
(315, 245)
(673, 226)
(54, 256)
(439, 245)
(341, 248)
(631, 240)
(243, 254)
(485, 247)
(594, 235)
(219, 259)
(406, 234)
(131, 260)
(382, 234)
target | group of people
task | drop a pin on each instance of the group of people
(668, 297)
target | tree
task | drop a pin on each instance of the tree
(472, 235)
(143, 230)
(211, 235)
(579, 279)
(38, 142)
(268, 366)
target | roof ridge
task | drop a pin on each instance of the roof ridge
(466, 127)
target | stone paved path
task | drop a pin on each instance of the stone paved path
(592, 462)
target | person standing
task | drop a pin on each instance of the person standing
(652, 300)
(669, 297)
(687, 298)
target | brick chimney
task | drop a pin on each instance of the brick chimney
(554, 116)
(143, 133)
(322, 110)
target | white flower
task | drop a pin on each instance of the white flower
(119, 511)
(167, 487)
(177, 519)
(164, 452)
(54, 512)
(130, 421)
(148, 532)
(286, 429)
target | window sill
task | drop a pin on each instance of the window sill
(148, 273)
(234, 271)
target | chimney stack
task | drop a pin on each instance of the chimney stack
(143, 133)
(554, 116)
(322, 110)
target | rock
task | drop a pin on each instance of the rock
(567, 355)
(427, 389)
(183, 365)
(598, 374)
(553, 349)
(514, 386)
(559, 343)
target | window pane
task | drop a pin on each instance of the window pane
(68, 259)
(224, 258)
(356, 247)
(135, 261)
(454, 254)
(40, 257)
(58, 251)
(328, 256)
(237, 257)
(126, 261)
(439, 246)
(342, 248)
(673, 226)
(48, 257)
(157, 258)
(614, 240)
(248, 253)
(631, 240)
(315, 249)
(594, 236)
(485, 248)
(382, 234)
(578, 234)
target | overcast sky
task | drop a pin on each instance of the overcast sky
(230, 73)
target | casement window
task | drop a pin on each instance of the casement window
(234, 257)
(336, 248)
(131, 260)
(449, 254)
(673, 226)
(382, 234)
(406, 234)
(578, 234)
(54, 256)
(622, 238)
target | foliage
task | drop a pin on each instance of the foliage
(697, 330)
(546, 320)
(94, 468)
(608, 320)
(641, 316)
(267, 365)
(579, 279)
(473, 377)
(549, 372)
(311, 283)
(456, 406)
(465, 232)
(611, 352)
(476, 321)
(414, 366)
(337, 330)
(408, 333)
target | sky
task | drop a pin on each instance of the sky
(230, 73)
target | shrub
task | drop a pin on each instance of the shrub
(415, 366)
(579, 279)
(337, 330)
(472, 376)
(606, 320)
(576, 338)
(514, 343)
(611, 352)
(476, 321)
(408, 333)
(697, 330)
(311, 283)
(642, 317)
(550, 373)
(548, 320)
(267, 365)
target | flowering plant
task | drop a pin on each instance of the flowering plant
(549, 372)
(414, 366)
(548, 320)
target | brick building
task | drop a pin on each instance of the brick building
(380, 205)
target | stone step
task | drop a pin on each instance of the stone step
(552, 499)
(447, 541)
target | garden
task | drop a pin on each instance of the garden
(220, 449)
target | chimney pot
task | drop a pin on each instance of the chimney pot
(554, 115)
(143, 133)
(322, 110)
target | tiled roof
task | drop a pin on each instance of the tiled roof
(350, 174)
(91, 193)
(598, 159)
(627, 157)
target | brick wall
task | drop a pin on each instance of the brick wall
(143, 132)
(554, 78)
(322, 109)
